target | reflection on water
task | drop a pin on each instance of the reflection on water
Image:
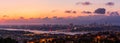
(40, 32)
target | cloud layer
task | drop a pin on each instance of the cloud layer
(75, 20)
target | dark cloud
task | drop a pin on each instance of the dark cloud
(100, 11)
(83, 3)
(70, 11)
(110, 3)
(114, 14)
(46, 18)
(55, 17)
(5, 16)
(74, 12)
(22, 18)
(86, 3)
(87, 12)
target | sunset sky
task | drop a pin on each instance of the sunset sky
(15, 9)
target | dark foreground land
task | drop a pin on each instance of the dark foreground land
(99, 37)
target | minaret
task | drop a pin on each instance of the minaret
(68, 29)
(70, 26)
(50, 28)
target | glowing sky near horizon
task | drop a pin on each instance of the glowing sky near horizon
(12, 9)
